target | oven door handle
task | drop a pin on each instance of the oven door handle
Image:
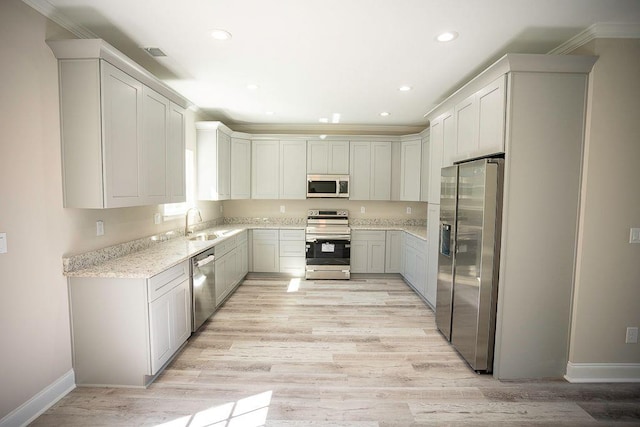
(315, 237)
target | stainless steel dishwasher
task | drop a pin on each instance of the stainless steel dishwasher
(203, 287)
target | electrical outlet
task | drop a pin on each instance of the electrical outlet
(362, 209)
(99, 228)
(221, 209)
(632, 335)
(281, 208)
(409, 210)
(3, 243)
(634, 235)
(157, 218)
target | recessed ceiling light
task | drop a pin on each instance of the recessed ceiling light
(323, 136)
(404, 88)
(323, 120)
(220, 34)
(252, 86)
(447, 36)
(385, 114)
(269, 113)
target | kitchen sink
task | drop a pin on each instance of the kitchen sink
(209, 236)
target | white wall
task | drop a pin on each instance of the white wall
(34, 312)
(607, 284)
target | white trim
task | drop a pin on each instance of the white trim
(599, 30)
(49, 11)
(603, 372)
(46, 398)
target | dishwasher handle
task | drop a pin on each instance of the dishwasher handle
(205, 261)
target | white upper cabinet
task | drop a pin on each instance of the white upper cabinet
(176, 175)
(466, 117)
(328, 157)
(410, 158)
(436, 142)
(491, 117)
(425, 170)
(121, 130)
(240, 168)
(370, 177)
(293, 171)
(265, 169)
(214, 161)
(449, 143)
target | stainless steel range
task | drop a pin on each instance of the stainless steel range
(328, 247)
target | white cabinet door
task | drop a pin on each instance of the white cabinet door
(425, 168)
(293, 170)
(421, 273)
(410, 264)
(176, 155)
(376, 256)
(396, 166)
(338, 158)
(265, 167)
(491, 117)
(265, 251)
(155, 125)
(449, 139)
(359, 256)
(122, 127)
(214, 160)
(240, 168)
(169, 324)
(433, 234)
(328, 157)
(394, 252)
(359, 170)
(224, 165)
(160, 320)
(380, 188)
(466, 119)
(410, 158)
(435, 160)
(222, 275)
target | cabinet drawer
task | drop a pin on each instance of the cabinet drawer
(265, 234)
(225, 246)
(293, 265)
(292, 248)
(368, 235)
(163, 282)
(292, 235)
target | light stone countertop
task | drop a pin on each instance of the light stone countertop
(161, 256)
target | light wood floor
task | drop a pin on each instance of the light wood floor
(335, 353)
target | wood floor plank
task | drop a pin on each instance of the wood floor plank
(359, 353)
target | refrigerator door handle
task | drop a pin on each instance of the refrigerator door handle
(445, 239)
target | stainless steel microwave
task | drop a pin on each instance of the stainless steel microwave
(328, 186)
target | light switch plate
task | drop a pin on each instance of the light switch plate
(3, 243)
(634, 235)
(409, 210)
(362, 209)
(281, 208)
(157, 218)
(632, 335)
(99, 228)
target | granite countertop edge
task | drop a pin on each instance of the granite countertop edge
(146, 263)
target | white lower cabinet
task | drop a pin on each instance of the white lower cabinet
(394, 252)
(126, 330)
(265, 251)
(415, 263)
(231, 265)
(292, 252)
(367, 251)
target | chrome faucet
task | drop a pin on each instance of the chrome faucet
(186, 221)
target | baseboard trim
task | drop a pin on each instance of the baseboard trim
(46, 398)
(603, 372)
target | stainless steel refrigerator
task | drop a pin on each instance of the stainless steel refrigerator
(469, 256)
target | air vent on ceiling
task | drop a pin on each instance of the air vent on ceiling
(154, 51)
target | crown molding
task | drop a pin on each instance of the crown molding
(334, 129)
(599, 30)
(48, 10)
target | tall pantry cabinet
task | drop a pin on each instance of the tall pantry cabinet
(531, 109)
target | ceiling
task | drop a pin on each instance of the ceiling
(314, 58)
